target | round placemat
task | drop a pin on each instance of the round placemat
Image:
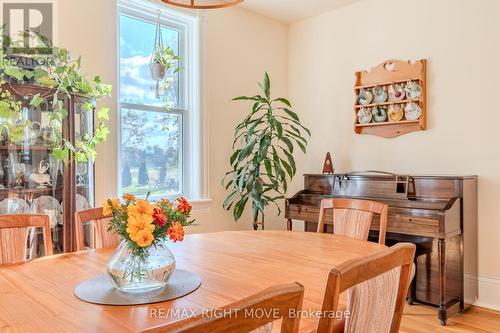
(99, 290)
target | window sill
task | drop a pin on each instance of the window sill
(201, 205)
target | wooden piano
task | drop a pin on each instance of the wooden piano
(437, 213)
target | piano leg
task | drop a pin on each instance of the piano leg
(289, 225)
(442, 281)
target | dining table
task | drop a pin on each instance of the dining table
(38, 296)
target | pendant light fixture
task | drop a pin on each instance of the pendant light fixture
(202, 4)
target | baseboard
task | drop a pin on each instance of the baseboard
(488, 290)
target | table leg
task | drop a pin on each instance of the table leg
(289, 225)
(442, 281)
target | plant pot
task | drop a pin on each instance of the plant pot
(158, 71)
(134, 274)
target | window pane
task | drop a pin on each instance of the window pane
(137, 39)
(151, 152)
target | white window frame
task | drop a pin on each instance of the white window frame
(194, 141)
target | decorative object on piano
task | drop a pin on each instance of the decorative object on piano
(40, 176)
(379, 94)
(365, 97)
(379, 114)
(395, 112)
(143, 261)
(263, 163)
(328, 166)
(62, 78)
(162, 60)
(364, 116)
(404, 82)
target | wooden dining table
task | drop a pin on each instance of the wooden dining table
(38, 296)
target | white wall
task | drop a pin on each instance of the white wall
(239, 47)
(460, 40)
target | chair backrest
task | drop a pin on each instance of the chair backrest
(353, 217)
(99, 222)
(377, 288)
(14, 231)
(247, 314)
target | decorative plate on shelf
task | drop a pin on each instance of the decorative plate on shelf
(379, 95)
(413, 90)
(395, 113)
(14, 206)
(396, 92)
(365, 97)
(412, 111)
(379, 114)
(364, 116)
(81, 203)
(50, 206)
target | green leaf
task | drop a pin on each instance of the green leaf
(103, 113)
(5, 111)
(284, 101)
(267, 86)
(61, 153)
(292, 114)
(229, 199)
(279, 128)
(239, 208)
(36, 100)
(234, 156)
(288, 143)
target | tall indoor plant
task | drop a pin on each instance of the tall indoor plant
(262, 162)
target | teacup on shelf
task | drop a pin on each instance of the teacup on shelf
(379, 94)
(396, 92)
(413, 90)
(365, 97)
(364, 116)
(379, 114)
(412, 111)
(395, 112)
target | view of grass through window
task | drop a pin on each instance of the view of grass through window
(151, 135)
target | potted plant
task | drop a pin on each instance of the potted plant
(262, 162)
(163, 59)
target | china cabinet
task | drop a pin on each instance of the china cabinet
(32, 179)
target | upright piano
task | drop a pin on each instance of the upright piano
(437, 213)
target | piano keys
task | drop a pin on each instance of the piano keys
(437, 213)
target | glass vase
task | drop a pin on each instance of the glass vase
(136, 274)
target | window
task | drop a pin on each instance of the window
(153, 144)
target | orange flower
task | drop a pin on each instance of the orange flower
(128, 197)
(165, 201)
(144, 238)
(138, 223)
(107, 209)
(184, 206)
(141, 207)
(176, 232)
(159, 217)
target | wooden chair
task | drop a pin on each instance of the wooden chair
(353, 217)
(237, 318)
(377, 288)
(14, 231)
(103, 237)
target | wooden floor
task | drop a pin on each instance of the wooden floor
(423, 319)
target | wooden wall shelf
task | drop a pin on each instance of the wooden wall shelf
(384, 75)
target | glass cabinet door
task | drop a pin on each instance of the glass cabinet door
(31, 179)
(84, 171)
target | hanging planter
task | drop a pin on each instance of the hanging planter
(162, 59)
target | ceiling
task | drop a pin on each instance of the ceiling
(292, 10)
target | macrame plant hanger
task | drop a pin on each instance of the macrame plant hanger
(157, 68)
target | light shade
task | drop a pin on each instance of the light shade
(202, 4)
